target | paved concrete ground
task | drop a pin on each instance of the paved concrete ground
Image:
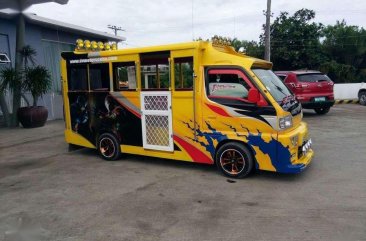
(65, 195)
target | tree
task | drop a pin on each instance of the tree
(9, 79)
(345, 46)
(14, 80)
(37, 81)
(295, 41)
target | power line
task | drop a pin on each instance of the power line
(115, 29)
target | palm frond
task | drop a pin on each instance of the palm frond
(28, 54)
(10, 78)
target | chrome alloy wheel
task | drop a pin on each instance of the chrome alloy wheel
(232, 161)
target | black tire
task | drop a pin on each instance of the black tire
(234, 160)
(362, 97)
(322, 111)
(109, 147)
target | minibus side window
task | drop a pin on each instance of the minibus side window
(227, 84)
(78, 78)
(183, 73)
(155, 70)
(99, 77)
(124, 76)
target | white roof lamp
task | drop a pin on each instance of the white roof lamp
(21, 5)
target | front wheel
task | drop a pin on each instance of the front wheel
(234, 160)
(108, 147)
(362, 97)
(322, 111)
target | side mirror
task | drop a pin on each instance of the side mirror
(253, 95)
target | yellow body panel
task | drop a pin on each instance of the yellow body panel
(176, 155)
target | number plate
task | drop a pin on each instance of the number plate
(319, 99)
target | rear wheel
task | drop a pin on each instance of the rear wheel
(234, 160)
(322, 111)
(362, 97)
(109, 147)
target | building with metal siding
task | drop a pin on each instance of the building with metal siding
(49, 38)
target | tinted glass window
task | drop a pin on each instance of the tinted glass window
(155, 70)
(155, 76)
(99, 77)
(78, 78)
(313, 78)
(124, 76)
(272, 83)
(183, 73)
(227, 85)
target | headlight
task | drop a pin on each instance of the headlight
(286, 122)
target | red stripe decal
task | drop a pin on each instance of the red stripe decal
(194, 152)
(218, 110)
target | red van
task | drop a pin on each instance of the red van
(312, 88)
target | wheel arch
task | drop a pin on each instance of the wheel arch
(104, 130)
(361, 91)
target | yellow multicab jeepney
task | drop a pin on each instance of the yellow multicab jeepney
(198, 102)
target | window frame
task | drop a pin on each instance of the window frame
(124, 64)
(155, 59)
(227, 70)
(6, 57)
(108, 81)
(173, 64)
(69, 77)
(282, 77)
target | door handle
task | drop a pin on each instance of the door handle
(211, 117)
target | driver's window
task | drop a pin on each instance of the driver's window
(227, 84)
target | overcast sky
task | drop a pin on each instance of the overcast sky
(151, 22)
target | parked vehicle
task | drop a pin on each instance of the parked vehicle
(362, 94)
(198, 102)
(312, 88)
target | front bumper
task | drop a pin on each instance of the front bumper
(313, 105)
(299, 155)
(301, 164)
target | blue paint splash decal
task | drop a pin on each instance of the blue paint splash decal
(210, 137)
(279, 154)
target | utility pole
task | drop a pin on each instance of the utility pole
(115, 29)
(267, 47)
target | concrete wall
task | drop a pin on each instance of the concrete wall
(8, 32)
(346, 91)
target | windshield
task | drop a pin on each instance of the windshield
(272, 83)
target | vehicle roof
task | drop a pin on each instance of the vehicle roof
(215, 54)
(298, 72)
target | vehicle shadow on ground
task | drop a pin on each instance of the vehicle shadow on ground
(204, 168)
(280, 177)
(311, 114)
